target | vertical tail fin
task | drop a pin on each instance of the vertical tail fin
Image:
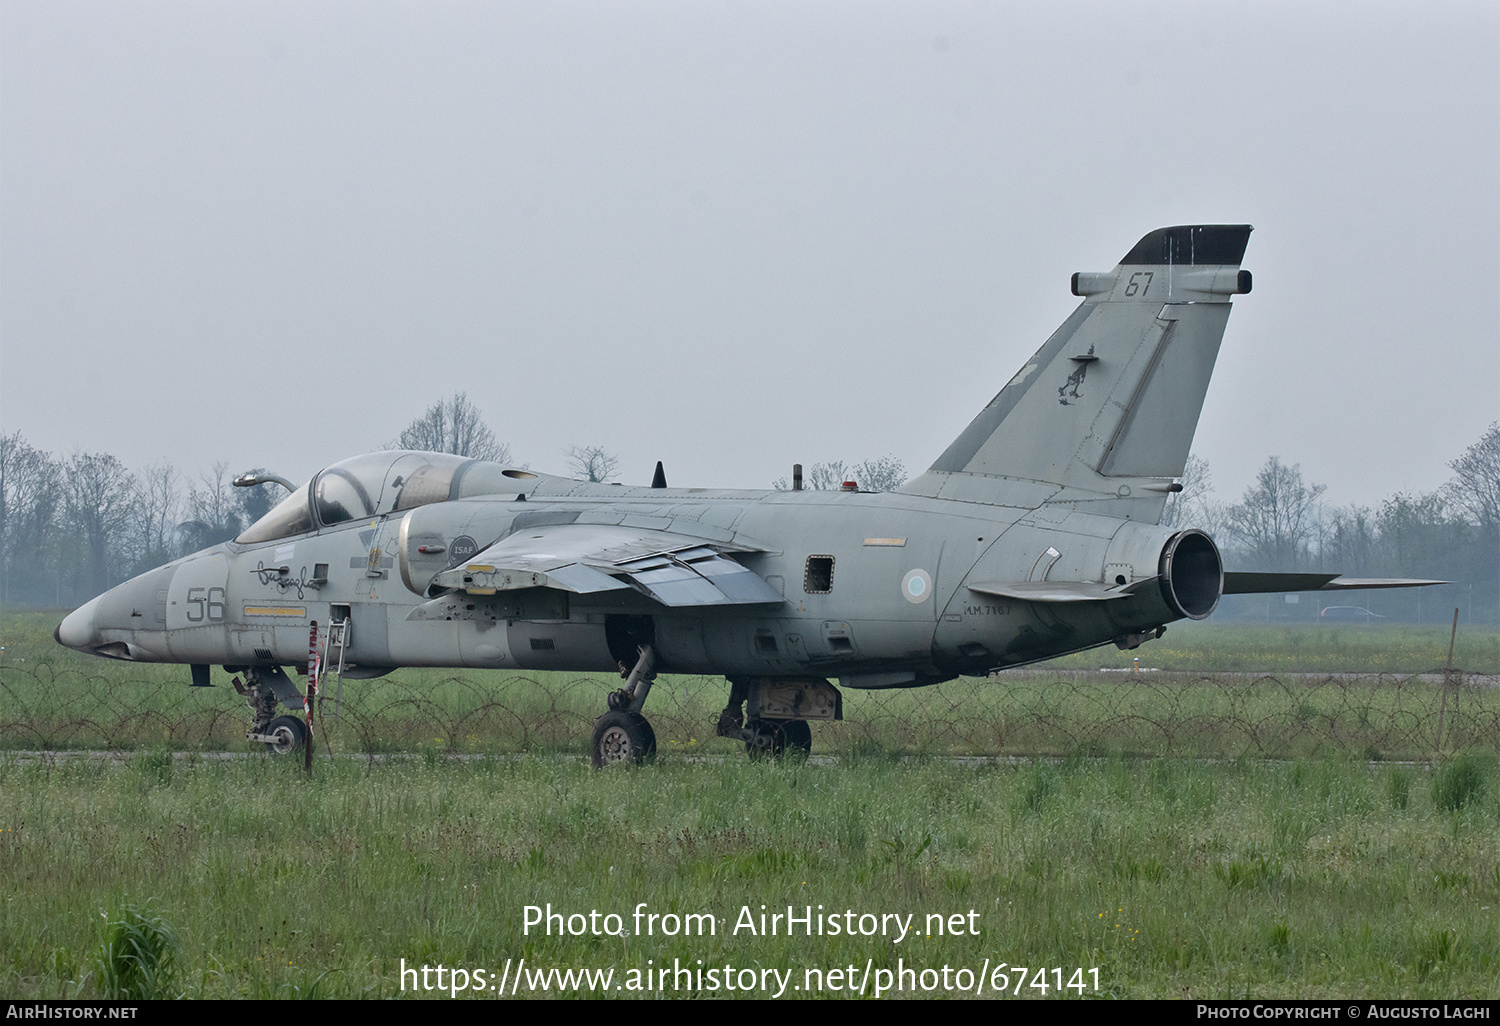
(1106, 409)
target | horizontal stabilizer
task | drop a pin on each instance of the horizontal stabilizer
(1240, 582)
(1359, 583)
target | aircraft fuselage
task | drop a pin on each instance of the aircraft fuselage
(873, 588)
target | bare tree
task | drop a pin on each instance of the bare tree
(157, 515)
(1189, 505)
(99, 501)
(453, 425)
(1418, 535)
(1276, 515)
(819, 477)
(823, 477)
(882, 474)
(1476, 491)
(30, 494)
(592, 462)
(215, 513)
(1350, 542)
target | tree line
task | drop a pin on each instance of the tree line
(72, 527)
(1282, 522)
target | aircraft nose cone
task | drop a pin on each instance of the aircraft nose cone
(77, 629)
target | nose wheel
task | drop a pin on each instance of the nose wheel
(622, 735)
(289, 734)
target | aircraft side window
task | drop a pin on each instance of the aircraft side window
(428, 483)
(339, 497)
(817, 579)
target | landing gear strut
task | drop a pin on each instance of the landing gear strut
(264, 687)
(778, 711)
(622, 735)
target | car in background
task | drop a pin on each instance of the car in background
(1348, 614)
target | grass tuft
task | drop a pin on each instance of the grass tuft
(1436, 951)
(1461, 782)
(139, 957)
(1398, 787)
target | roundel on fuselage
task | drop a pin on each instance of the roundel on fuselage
(916, 586)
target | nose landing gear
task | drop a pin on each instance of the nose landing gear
(622, 735)
(264, 687)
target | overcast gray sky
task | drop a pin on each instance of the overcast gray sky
(731, 236)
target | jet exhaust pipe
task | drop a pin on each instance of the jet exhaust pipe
(1191, 574)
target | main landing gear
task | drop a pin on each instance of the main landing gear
(771, 716)
(264, 687)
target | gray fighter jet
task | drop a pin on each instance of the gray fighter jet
(1035, 534)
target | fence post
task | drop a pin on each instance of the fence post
(1443, 706)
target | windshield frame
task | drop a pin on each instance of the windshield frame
(368, 486)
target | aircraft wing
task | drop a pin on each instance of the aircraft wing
(674, 569)
(1240, 582)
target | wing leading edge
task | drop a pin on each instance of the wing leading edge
(586, 559)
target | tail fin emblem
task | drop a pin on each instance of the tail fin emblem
(1070, 387)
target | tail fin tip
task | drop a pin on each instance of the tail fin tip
(1197, 244)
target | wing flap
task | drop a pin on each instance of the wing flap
(739, 585)
(675, 570)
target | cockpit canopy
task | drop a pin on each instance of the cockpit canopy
(378, 483)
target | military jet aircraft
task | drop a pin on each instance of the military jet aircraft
(1033, 535)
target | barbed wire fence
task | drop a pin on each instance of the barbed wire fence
(1018, 713)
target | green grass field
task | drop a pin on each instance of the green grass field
(1205, 646)
(1172, 878)
(1201, 832)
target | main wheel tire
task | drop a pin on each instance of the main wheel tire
(789, 738)
(622, 737)
(290, 734)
